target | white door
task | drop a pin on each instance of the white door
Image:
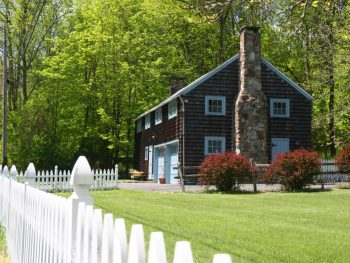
(173, 166)
(150, 162)
(279, 145)
(160, 167)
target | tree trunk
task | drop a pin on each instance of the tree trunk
(24, 78)
(331, 130)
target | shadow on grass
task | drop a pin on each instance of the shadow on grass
(308, 190)
(343, 185)
(243, 191)
(236, 191)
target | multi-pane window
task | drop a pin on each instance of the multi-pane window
(147, 121)
(279, 108)
(215, 105)
(158, 117)
(172, 109)
(214, 144)
(138, 125)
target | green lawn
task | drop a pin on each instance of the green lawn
(265, 227)
(3, 258)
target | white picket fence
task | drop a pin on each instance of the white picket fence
(58, 180)
(45, 228)
(330, 172)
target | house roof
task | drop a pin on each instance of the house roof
(210, 74)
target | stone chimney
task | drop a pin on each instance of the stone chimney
(176, 84)
(251, 109)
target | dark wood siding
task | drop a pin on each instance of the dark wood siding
(167, 130)
(197, 125)
(226, 83)
(298, 126)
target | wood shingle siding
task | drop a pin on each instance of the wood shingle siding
(298, 126)
(198, 125)
(167, 130)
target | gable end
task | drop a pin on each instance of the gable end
(288, 80)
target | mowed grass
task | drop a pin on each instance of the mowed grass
(265, 227)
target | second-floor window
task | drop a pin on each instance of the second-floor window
(158, 116)
(215, 105)
(147, 121)
(172, 109)
(138, 125)
(279, 108)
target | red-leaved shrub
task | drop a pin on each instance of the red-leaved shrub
(342, 160)
(294, 169)
(224, 170)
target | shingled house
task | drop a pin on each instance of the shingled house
(244, 105)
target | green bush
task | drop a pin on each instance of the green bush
(294, 170)
(225, 171)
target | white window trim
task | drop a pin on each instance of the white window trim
(287, 101)
(222, 98)
(147, 121)
(218, 138)
(157, 121)
(171, 104)
(146, 153)
(139, 125)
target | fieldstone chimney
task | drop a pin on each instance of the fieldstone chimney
(251, 109)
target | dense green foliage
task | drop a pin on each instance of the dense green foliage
(226, 171)
(294, 170)
(267, 227)
(80, 71)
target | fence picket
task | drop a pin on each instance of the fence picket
(80, 233)
(137, 252)
(96, 242)
(87, 233)
(156, 252)
(107, 239)
(120, 243)
(183, 252)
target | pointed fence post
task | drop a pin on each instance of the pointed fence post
(13, 172)
(81, 181)
(116, 173)
(55, 178)
(30, 175)
(5, 171)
